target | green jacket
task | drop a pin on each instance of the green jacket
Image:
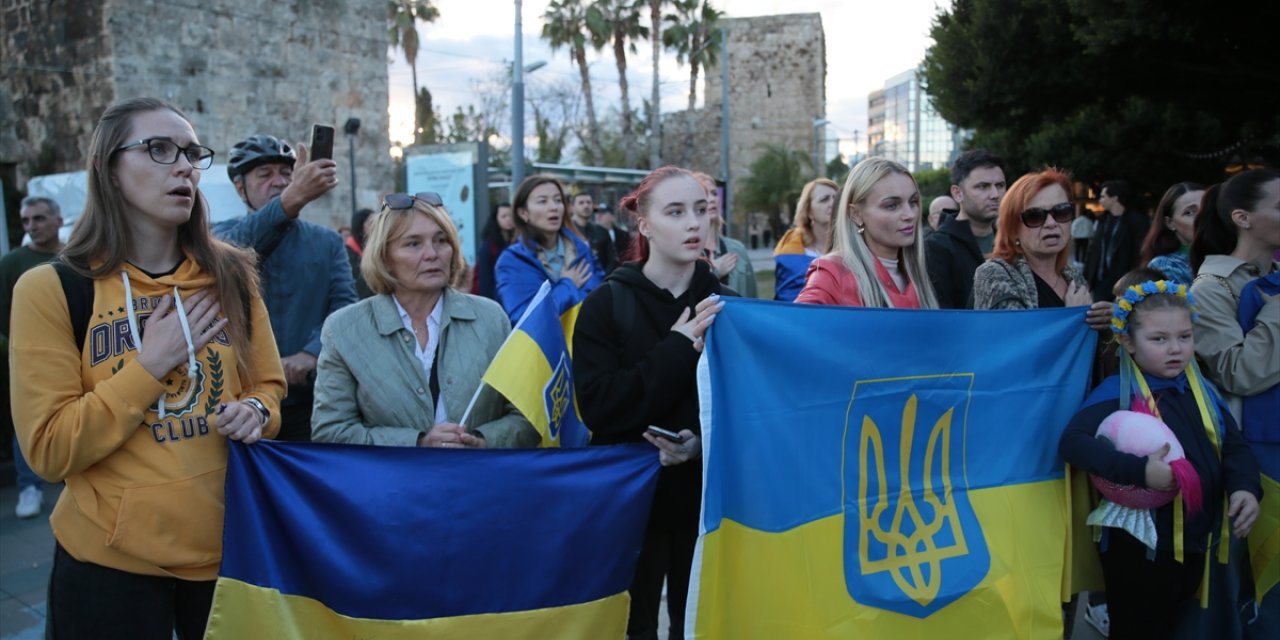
(371, 389)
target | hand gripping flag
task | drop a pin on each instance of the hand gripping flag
(534, 370)
(890, 474)
(342, 541)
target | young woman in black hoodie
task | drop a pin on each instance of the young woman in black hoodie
(638, 370)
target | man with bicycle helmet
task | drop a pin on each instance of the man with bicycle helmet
(303, 266)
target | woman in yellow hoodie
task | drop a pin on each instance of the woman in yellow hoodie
(176, 357)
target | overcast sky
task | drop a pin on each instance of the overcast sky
(867, 41)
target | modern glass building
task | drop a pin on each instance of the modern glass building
(904, 127)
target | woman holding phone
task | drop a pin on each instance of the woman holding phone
(546, 250)
(636, 348)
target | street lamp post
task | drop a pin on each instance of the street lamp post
(517, 106)
(726, 211)
(818, 124)
(351, 128)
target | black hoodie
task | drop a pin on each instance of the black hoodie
(624, 383)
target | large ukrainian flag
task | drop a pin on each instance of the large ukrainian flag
(340, 541)
(534, 371)
(890, 474)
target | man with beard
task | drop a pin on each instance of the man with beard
(597, 238)
(303, 266)
(962, 243)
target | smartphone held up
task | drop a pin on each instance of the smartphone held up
(321, 142)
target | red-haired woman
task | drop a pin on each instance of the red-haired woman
(635, 351)
(1029, 268)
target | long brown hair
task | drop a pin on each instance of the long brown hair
(99, 242)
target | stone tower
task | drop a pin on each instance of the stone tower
(236, 68)
(777, 88)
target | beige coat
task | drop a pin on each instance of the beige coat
(1240, 363)
(371, 389)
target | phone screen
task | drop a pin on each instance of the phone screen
(321, 142)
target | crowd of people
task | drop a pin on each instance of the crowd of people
(153, 337)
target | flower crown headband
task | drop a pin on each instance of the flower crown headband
(1135, 294)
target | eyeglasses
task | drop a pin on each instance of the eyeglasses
(166, 151)
(405, 201)
(1035, 218)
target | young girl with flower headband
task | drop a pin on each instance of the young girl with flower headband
(1148, 585)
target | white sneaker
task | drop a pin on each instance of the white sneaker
(30, 500)
(1098, 618)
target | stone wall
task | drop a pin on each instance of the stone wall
(777, 87)
(236, 67)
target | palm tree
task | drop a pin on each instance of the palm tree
(618, 22)
(565, 23)
(402, 26)
(655, 112)
(773, 182)
(689, 31)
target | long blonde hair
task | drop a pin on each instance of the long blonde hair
(99, 241)
(803, 219)
(853, 249)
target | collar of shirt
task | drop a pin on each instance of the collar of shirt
(427, 356)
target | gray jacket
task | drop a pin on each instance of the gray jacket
(371, 389)
(1000, 285)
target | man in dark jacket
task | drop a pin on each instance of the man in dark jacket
(960, 245)
(304, 268)
(1116, 246)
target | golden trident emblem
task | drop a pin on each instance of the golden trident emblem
(907, 555)
(557, 397)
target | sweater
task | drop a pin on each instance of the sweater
(998, 284)
(144, 494)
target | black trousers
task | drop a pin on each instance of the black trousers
(667, 554)
(92, 601)
(1147, 598)
(295, 415)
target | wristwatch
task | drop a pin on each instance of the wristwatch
(263, 412)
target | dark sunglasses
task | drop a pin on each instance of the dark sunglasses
(405, 201)
(1034, 218)
(949, 212)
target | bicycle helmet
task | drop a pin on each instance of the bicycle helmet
(257, 150)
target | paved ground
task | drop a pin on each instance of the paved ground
(26, 555)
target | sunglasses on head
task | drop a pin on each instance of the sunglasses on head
(1034, 218)
(405, 201)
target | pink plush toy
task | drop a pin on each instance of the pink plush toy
(1140, 433)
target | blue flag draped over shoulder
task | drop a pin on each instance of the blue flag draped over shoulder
(534, 371)
(342, 541)
(891, 473)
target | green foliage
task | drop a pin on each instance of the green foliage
(618, 23)
(773, 182)
(428, 129)
(565, 25)
(402, 28)
(933, 183)
(1110, 89)
(838, 169)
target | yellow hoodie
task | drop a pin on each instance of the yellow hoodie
(144, 493)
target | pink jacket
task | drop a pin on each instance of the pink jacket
(829, 281)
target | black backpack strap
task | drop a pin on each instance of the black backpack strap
(624, 306)
(78, 290)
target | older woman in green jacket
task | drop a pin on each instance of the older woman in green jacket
(401, 367)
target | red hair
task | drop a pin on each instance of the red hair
(1015, 201)
(637, 201)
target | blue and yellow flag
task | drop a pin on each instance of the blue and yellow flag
(342, 541)
(534, 370)
(891, 474)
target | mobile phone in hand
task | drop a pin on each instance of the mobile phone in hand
(667, 435)
(321, 142)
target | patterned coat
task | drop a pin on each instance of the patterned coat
(997, 284)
